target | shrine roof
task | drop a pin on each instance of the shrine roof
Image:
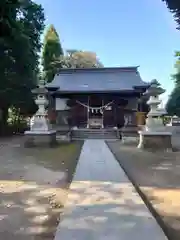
(97, 80)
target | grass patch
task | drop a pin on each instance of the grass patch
(62, 158)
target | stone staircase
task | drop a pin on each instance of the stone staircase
(130, 131)
(106, 134)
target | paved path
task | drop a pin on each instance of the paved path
(102, 203)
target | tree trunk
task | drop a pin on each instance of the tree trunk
(3, 121)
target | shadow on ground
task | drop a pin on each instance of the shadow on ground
(157, 178)
(33, 188)
(112, 209)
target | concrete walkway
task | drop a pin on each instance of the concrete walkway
(102, 203)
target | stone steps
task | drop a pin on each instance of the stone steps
(131, 131)
(106, 134)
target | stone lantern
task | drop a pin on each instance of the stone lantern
(41, 132)
(154, 134)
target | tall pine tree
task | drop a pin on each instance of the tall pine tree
(51, 50)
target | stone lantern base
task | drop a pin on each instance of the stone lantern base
(155, 140)
(40, 139)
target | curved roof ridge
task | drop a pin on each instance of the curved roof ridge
(103, 69)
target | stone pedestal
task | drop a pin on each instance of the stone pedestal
(40, 139)
(155, 141)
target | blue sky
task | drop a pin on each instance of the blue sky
(122, 33)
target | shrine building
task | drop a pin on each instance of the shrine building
(101, 98)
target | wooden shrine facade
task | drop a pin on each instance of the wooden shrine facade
(96, 106)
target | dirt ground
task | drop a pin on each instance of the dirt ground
(157, 178)
(33, 188)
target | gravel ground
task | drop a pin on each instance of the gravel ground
(157, 178)
(33, 188)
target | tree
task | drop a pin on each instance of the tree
(51, 50)
(173, 103)
(8, 26)
(31, 24)
(174, 7)
(77, 59)
(21, 25)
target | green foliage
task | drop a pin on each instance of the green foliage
(166, 119)
(16, 123)
(77, 59)
(51, 50)
(173, 104)
(21, 25)
(174, 7)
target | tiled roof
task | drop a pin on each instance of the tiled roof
(97, 79)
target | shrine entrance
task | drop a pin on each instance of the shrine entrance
(95, 112)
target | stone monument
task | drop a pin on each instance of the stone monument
(154, 134)
(41, 132)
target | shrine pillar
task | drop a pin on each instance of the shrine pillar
(141, 113)
(141, 118)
